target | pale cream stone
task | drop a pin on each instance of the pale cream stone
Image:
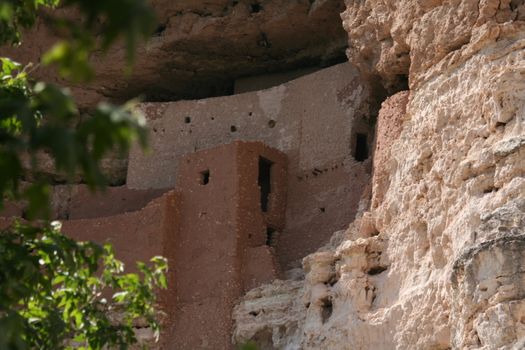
(438, 262)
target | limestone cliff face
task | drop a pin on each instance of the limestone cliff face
(435, 261)
(396, 38)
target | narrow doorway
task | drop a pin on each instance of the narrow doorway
(265, 184)
(361, 147)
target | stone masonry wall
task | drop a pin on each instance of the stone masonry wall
(216, 229)
(221, 247)
(313, 120)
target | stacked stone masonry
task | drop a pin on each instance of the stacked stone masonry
(235, 191)
(314, 120)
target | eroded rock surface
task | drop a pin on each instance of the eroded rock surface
(201, 47)
(436, 261)
(397, 38)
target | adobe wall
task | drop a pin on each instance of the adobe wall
(313, 120)
(220, 248)
(137, 236)
(213, 229)
(74, 202)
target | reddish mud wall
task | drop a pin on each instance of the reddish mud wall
(314, 120)
(220, 248)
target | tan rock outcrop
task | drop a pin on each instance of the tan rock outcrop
(397, 38)
(437, 261)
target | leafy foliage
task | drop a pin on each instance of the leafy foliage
(248, 346)
(51, 287)
(39, 117)
(84, 25)
(43, 118)
(62, 306)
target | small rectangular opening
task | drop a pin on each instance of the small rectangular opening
(265, 184)
(205, 177)
(361, 147)
(270, 237)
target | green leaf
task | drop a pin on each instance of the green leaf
(8, 65)
(50, 285)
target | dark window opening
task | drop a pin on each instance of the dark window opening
(270, 237)
(187, 120)
(254, 8)
(205, 177)
(271, 123)
(361, 147)
(265, 185)
(233, 128)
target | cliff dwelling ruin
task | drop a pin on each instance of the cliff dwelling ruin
(323, 174)
(235, 191)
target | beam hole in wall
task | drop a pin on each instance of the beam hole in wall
(271, 123)
(233, 128)
(326, 309)
(271, 236)
(264, 181)
(187, 120)
(205, 177)
(361, 147)
(254, 8)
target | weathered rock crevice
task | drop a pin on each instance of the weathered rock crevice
(200, 48)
